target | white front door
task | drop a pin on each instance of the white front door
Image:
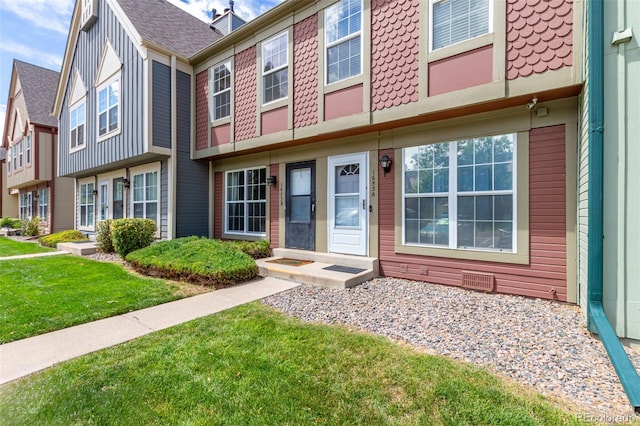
(348, 204)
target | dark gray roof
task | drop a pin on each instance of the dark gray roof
(39, 89)
(168, 26)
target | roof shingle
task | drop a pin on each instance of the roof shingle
(39, 90)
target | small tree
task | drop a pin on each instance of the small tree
(30, 227)
(104, 241)
(131, 234)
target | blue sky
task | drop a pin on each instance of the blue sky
(35, 31)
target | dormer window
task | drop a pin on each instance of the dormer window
(77, 114)
(89, 14)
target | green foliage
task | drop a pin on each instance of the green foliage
(30, 227)
(131, 234)
(9, 222)
(104, 242)
(195, 259)
(254, 366)
(68, 236)
(255, 249)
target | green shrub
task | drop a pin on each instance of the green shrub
(30, 227)
(131, 234)
(104, 242)
(9, 222)
(68, 236)
(255, 249)
(195, 259)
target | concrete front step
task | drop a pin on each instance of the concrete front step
(79, 248)
(314, 273)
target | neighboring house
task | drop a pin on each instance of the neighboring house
(124, 104)
(30, 140)
(621, 146)
(475, 121)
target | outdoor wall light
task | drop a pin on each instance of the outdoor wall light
(271, 180)
(95, 192)
(385, 163)
(126, 183)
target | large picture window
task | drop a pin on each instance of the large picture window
(453, 21)
(108, 105)
(77, 114)
(221, 79)
(343, 32)
(246, 201)
(87, 205)
(461, 194)
(145, 195)
(275, 68)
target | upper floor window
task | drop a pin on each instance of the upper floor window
(453, 21)
(461, 194)
(275, 68)
(343, 40)
(108, 107)
(77, 126)
(20, 153)
(221, 82)
(9, 162)
(15, 157)
(246, 201)
(28, 149)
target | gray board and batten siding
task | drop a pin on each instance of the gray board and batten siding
(192, 186)
(129, 143)
(161, 105)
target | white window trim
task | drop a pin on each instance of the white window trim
(28, 149)
(348, 37)
(273, 70)
(245, 201)
(90, 181)
(430, 29)
(228, 63)
(142, 170)
(42, 204)
(452, 195)
(101, 184)
(20, 154)
(84, 131)
(117, 76)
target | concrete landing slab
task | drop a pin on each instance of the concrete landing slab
(79, 248)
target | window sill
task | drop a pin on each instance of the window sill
(220, 121)
(275, 104)
(78, 148)
(109, 135)
(343, 84)
(245, 237)
(461, 47)
(465, 254)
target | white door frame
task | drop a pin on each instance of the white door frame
(349, 239)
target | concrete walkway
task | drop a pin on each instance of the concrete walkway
(23, 357)
(27, 256)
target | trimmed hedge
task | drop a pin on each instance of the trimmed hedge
(9, 222)
(104, 242)
(129, 235)
(195, 259)
(256, 249)
(71, 235)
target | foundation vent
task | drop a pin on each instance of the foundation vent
(478, 281)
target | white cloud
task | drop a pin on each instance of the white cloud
(52, 16)
(48, 60)
(246, 9)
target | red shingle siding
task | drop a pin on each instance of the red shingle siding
(274, 205)
(202, 109)
(305, 72)
(218, 205)
(245, 94)
(539, 36)
(395, 52)
(546, 275)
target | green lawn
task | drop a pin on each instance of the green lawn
(49, 293)
(9, 247)
(253, 366)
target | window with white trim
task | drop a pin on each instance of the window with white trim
(43, 199)
(221, 83)
(275, 68)
(77, 127)
(15, 157)
(20, 154)
(246, 201)
(28, 149)
(461, 194)
(9, 161)
(453, 21)
(87, 204)
(343, 40)
(146, 191)
(108, 107)
(26, 198)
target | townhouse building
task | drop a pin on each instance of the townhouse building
(33, 188)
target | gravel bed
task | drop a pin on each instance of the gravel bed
(538, 343)
(105, 257)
